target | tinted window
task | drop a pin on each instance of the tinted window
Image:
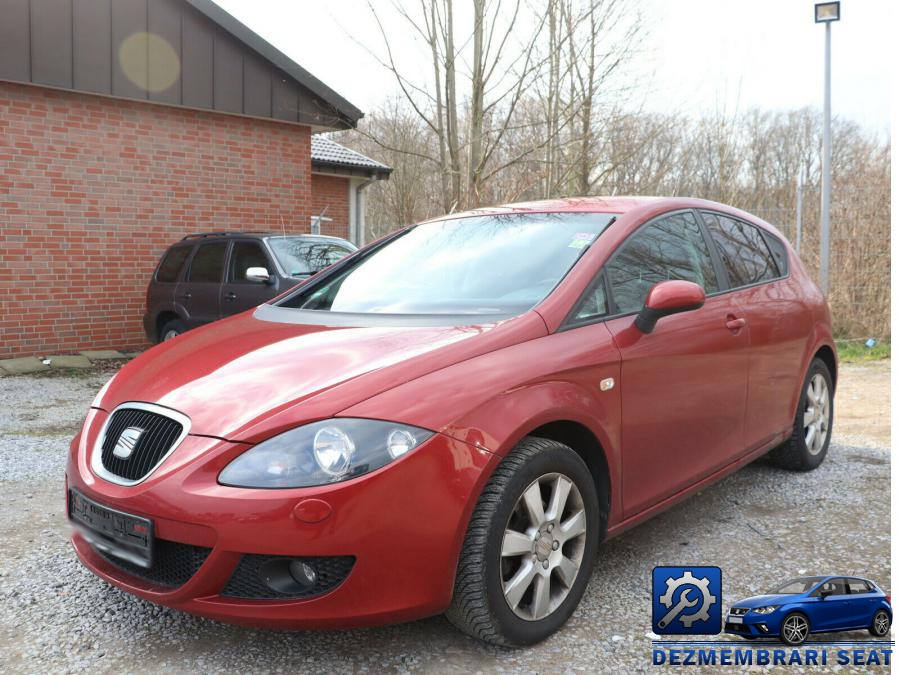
(670, 248)
(489, 264)
(796, 586)
(744, 251)
(172, 263)
(244, 255)
(208, 263)
(837, 586)
(777, 249)
(302, 256)
(858, 586)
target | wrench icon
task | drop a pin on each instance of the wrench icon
(680, 605)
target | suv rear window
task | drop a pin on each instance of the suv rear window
(208, 263)
(171, 264)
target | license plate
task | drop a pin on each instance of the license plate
(735, 619)
(119, 534)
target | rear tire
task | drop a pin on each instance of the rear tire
(881, 623)
(811, 436)
(172, 329)
(525, 561)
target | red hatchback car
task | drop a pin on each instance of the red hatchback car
(453, 418)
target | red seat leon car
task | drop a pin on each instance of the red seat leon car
(454, 418)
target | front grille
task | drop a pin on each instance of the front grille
(737, 627)
(173, 563)
(159, 434)
(739, 611)
(246, 581)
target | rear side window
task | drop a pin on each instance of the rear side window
(208, 263)
(744, 252)
(859, 586)
(672, 247)
(171, 264)
(778, 252)
(244, 255)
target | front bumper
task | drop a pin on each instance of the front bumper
(403, 525)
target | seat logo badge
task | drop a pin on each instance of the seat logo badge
(607, 384)
(127, 441)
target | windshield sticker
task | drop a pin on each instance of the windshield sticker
(581, 239)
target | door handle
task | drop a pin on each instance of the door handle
(230, 296)
(186, 296)
(735, 323)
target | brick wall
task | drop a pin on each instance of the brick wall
(333, 192)
(92, 191)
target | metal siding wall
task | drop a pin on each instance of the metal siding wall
(257, 86)
(196, 60)
(284, 97)
(51, 42)
(164, 23)
(129, 22)
(92, 45)
(15, 42)
(228, 74)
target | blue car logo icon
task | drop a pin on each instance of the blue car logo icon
(687, 600)
(821, 604)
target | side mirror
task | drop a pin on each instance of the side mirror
(825, 594)
(668, 297)
(258, 274)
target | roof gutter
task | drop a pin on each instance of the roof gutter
(358, 216)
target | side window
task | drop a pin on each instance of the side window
(837, 586)
(744, 251)
(777, 249)
(594, 303)
(858, 586)
(171, 264)
(244, 255)
(670, 248)
(208, 263)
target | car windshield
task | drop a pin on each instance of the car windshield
(302, 256)
(493, 264)
(796, 586)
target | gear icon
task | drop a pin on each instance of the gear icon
(701, 584)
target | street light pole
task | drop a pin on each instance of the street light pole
(826, 12)
(826, 170)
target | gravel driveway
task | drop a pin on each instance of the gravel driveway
(760, 526)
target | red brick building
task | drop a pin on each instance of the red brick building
(125, 126)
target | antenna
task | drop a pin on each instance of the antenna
(283, 231)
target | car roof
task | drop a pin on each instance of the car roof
(258, 235)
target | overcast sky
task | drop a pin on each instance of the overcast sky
(698, 54)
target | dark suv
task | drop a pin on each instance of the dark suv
(209, 276)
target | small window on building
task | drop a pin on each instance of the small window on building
(208, 263)
(171, 264)
(316, 222)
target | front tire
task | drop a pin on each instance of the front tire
(808, 444)
(530, 547)
(881, 624)
(794, 629)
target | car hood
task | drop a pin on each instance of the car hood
(763, 600)
(244, 379)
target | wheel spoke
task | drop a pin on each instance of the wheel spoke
(808, 417)
(515, 543)
(575, 525)
(558, 498)
(541, 606)
(811, 395)
(515, 588)
(819, 388)
(534, 504)
(810, 437)
(567, 571)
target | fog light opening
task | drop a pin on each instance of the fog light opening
(288, 576)
(303, 573)
(763, 628)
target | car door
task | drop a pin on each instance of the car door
(239, 294)
(777, 321)
(863, 601)
(199, 293)
(832, 612)
(683, 386)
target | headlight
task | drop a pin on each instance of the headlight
(765, 610)
(323, 452)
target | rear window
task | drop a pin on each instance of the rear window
(171, 264)
(208, 263)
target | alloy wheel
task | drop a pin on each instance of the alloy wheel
(543, 546)
(881, 623)
(817, 415)
(795, 629)
(172, 333)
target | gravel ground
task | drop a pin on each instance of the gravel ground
(761, 526)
